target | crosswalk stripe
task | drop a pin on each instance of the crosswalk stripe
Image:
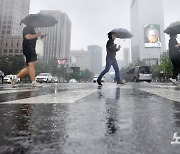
(70, 96)
(165, 93)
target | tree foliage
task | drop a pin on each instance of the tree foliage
(166, 65)
(11, 64)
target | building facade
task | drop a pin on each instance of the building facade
(82, 59)
(11, 14)
(126, 56)
(12, 46)
(58, 39)
(147, 25)
(96, 58)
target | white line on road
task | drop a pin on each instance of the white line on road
(70, 96)
(165, 93)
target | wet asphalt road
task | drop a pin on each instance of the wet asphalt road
(82, 119)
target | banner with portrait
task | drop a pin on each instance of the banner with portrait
(152, 37)
(63, 62)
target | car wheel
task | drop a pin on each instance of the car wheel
(149, 81)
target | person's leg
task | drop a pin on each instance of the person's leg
(175, 69)
(2, 79)
(107, 67)
(31, 70)
(14, 78)
(22, 73)
(117, 72)
(32, 74)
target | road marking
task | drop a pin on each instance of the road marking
(176, 138)
(165, 93)
(14, 90)
(70, 96)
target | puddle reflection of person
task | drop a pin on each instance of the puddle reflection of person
(112, 113)
(24, 114)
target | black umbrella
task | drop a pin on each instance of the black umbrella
(39, 20)
(121, 33)
(173, 28)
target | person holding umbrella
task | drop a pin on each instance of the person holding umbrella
(111, 59)
(174, 55)
(29, 44)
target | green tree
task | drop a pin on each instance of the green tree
(52, 66)
(139, 63)
(87, 75)
(11, 64)
(125, 69)
(41, 67)
(5, 65)
(166, 65)
(17, 63)
(156, 69)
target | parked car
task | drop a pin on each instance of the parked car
(129, 77)
(96, 77)
(72, 81)
(1, 77)
(44, 77)
(139, 73)
(7, 79)
(55, 79)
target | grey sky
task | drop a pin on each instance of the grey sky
(93, 19)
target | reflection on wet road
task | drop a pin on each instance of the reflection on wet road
(111, 120)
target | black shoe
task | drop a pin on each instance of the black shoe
(120, 82)
(99, 82)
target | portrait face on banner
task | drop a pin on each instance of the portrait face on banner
(152, 36)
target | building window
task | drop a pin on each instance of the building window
(10, 50)
(8, 32)
(3, 32)
(16, 51)
(9, 22)
(5, 50)
(9, 27)
(6, 44)
(4, 27)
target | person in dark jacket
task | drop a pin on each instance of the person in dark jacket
(111, 59)
(174, 54)
(29, 44)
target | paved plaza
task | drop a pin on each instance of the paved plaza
(81, 118)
